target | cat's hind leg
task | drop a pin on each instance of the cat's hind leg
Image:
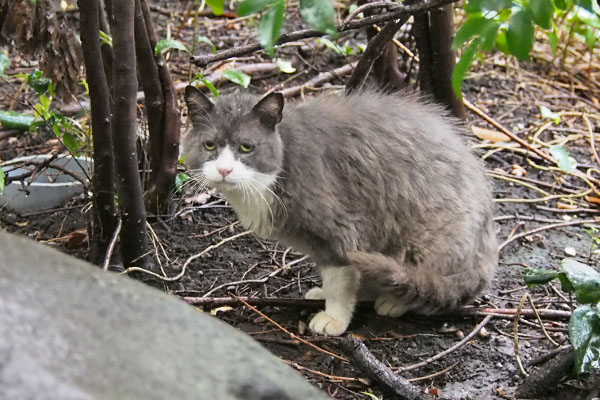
(391, 305)
(340, 290)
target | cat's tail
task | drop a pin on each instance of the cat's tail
(427, 288)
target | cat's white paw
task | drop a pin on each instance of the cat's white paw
(389, 305)
(315, 293)
(325, 324)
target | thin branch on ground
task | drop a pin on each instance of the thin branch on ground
(290, 334)
(187, 262)
(259, 280)
(331, 378)
(435, 374)
(367, 363)
(318, 80)
(449, 350)
(111, 245)
(546, 227)
(508, 133)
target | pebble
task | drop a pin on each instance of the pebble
(499, 365)
(570, 251)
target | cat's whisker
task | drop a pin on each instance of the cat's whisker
(275, 196)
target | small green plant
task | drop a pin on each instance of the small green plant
(592, 232)
(319, 14)
(510, 26)
(584, 325)
(237, 77)
(68, 130)
(201, 78)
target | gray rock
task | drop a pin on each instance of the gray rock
(70, 331)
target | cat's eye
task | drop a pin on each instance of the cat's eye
(210, 145)
(246, 147)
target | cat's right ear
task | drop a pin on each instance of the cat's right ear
(269, 109)
(199, 106)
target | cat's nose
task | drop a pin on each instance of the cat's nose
(224, 171)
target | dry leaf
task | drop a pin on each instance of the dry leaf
(518, 171)
(214, 311)
(592, 199)
(489, 134)
(564, 206)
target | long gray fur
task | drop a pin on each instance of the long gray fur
(383, 183)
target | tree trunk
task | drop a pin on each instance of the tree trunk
(166, 147)
(104, 215)
(433, 32)
(134, 243)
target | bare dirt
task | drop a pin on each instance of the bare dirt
(485, 367)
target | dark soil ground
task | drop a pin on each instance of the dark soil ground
(528, 192)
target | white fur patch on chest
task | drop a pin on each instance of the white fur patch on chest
(255, 210)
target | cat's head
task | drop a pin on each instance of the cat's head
(234, 144)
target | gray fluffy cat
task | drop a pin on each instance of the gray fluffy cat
(378, 189)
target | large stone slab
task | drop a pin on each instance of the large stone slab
(69, 331)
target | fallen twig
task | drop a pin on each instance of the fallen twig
(290, 334)
(546, 227)
(187, 262)
(111, 245)
(449, 350)
(366, 361)
(211, 302)
(508, 133)
(318, 80)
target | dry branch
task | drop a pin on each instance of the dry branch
(399, 12)
(366, 361)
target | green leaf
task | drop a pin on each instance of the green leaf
(105, 38)
(209, 84)
(248, 7)
(565, 162)
(501, 42)
(547, 113)
(270, 26)
(4, 61)
(590, 37)
(204, 39)
(584, 332)
(180, 179)
(587, 4)
(462, 66)
(585, 280)
(285, 66)
(71, 142)
(543, 11)
(538, 276)
(38, 82)
(560, 4)
(16, 120)
(218, 6)
(520, 34)
(487, 5)
(330, 45)
(319, 14)
(474, 26)
(168, 44)
(237, 77)
(553, 39)
(2, 181)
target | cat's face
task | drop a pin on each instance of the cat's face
(233, 144)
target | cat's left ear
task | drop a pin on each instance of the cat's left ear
(269, 109)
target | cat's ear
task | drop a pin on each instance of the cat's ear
(199, 106)
(269, 109)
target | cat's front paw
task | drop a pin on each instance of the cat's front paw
(315, 293)
(389, 305)
(324, 324)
